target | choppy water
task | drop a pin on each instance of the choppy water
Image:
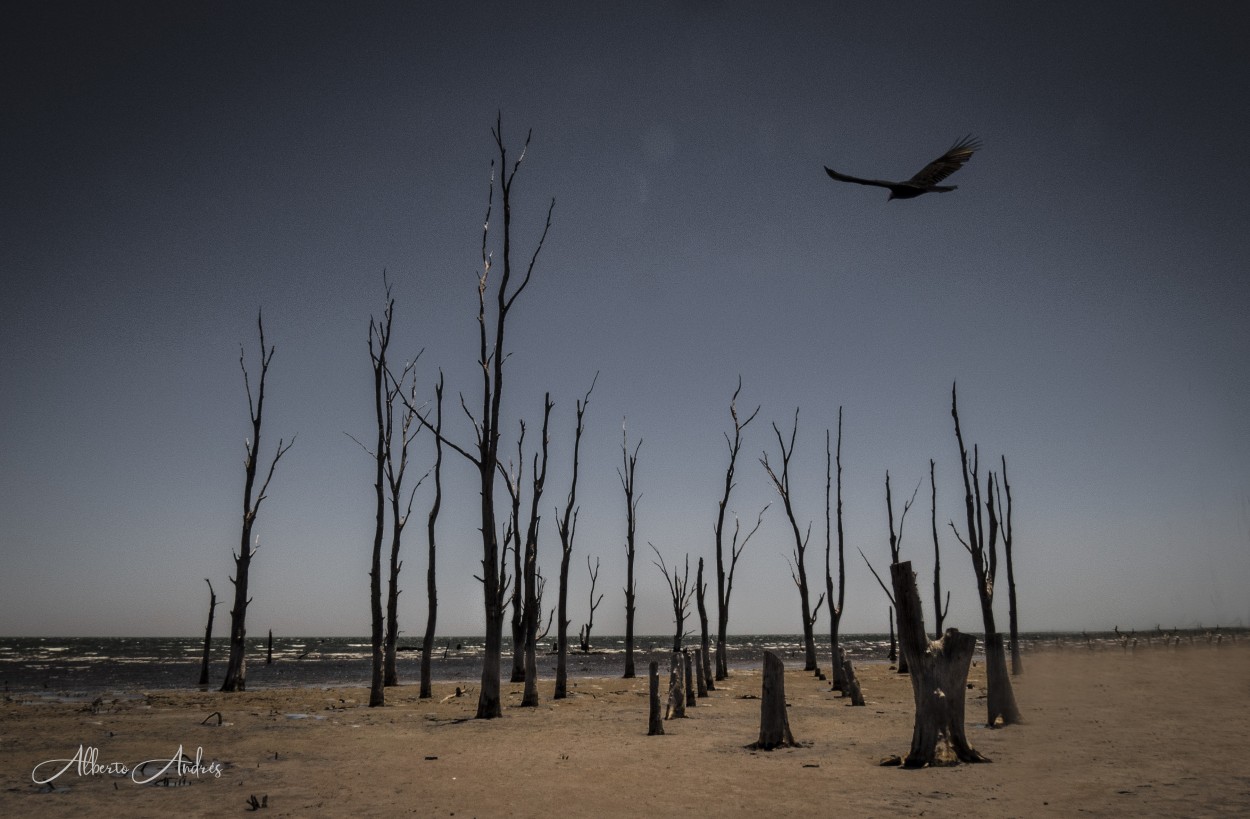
(76, 667)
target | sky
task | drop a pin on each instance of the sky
(169, 170)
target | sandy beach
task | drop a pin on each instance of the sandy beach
(1157, 732)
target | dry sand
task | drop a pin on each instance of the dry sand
(1162, 732)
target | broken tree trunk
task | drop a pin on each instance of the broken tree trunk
(701, 674)
(690, 696)
(850, 683)
(676, 708)
(774, 723)
(208, 632)
(939, 678)
(655, 725)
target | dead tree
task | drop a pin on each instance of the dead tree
(774, 723)
(391, 460)
(431, 578)
(844, 679)
(939, 678)
(567, 527)
(236, 666)
(679, 591)
(208, 632)
(584, 635)
(724, 574)
(798, 568)
(896, 545)
(705, 651)
(269, 649)
(396, 467)
(533, 596)
(655, 725)
(512, 482)
(626, 473)
(939, 611)
(1017, 665)
(982, 546)
(893, 655)
(491, 357)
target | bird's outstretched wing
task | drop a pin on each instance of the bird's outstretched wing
(947, 163)
(841, 177)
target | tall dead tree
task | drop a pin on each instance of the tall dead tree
(982, 546)
(208, 632)
(1017, 665)
(679, 592)
(724, 573)
(798, 568)
(398, 441)
(512, 482)
(491, 357)
(843, 671)
(567, 528)
(939, 679)
(431, 577)
(939, 611)
(533, 596)
(626, 473)
(705, 649)
(584, 634)
(236, 666)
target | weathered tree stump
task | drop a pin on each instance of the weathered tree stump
(774, 723)
(691, 702)
(939, 678)
(676, 708)
(850, 683)
(701, 674)
(655, 725)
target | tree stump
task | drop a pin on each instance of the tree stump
(676, 688)
(774, 723)
(691, 702)
(939, 678)
(850, 683)
(655, 725)
(701, 674)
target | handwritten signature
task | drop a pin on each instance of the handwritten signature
(87, 762)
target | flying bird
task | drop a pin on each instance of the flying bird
(927, 180)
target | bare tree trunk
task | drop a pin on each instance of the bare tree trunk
(939, 611)
(724, 574)
(208, 632)
(532, 614)
(626, 473)
(850, 683)
(702, 677)
(939, 678)
(835, 602)
(676, 687)
(1017, 665)
(691, 700)
(896, 545)
(655, 725)
(705, 651)
(798, 568)
(269, 652)
(983, 548)
(431, 578)
(774, 723)
(567, 528)
(518, 567)
(893, 644)
(236, 667)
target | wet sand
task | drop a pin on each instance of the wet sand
(1157, 732)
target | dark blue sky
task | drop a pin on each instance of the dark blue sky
(168, 169)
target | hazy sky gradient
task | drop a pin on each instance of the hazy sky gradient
(168, 169)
